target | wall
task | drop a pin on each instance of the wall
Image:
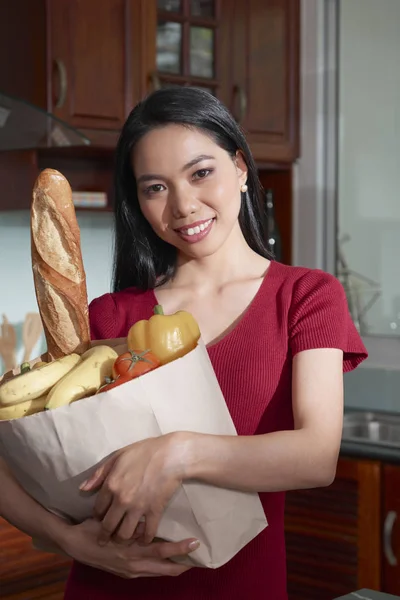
(17, 296)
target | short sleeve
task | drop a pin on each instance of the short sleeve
(320, 318)
(102, 318)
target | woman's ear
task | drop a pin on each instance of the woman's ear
(241, 167)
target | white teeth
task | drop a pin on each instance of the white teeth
(197, 229)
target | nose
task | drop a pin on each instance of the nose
(182, 202)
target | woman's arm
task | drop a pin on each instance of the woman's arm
(22, 511)
(303, 458)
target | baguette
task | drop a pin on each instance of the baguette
(58, 272)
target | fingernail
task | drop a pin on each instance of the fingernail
(194, 545)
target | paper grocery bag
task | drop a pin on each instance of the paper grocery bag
(51, 453)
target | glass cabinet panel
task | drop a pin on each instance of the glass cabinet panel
(201, 52)
(186, 43)
(169, 47)
(170, 5)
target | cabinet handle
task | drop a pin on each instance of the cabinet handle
(387, 537)
(62, 74)
(155, 81)
(239, 92)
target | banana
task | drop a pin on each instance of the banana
(36, 382)
(85, 379)
(23, 409)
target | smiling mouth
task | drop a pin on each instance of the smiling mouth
(197, 229)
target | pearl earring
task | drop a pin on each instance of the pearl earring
(243, 188)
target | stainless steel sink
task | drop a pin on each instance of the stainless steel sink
(372, 427)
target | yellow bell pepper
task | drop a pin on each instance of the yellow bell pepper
(168, 336)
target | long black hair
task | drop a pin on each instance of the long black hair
(141, 258)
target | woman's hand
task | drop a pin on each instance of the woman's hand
(137, 482)
(125, 560)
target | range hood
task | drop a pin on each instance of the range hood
(25, 126)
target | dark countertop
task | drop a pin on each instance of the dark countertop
(370, 450)
(368, 595)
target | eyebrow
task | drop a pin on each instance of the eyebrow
(191, 163)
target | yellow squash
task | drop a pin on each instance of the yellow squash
(168, 336)
(36, 382)
(23, 409)
(87, 377)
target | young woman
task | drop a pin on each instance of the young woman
(189, 236)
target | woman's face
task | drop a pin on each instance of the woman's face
(188, 188)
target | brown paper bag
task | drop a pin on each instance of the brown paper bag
(51, 453)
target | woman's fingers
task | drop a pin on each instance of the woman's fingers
(110, 524)
(165, 550)
(99, 476)
(151, 526)
(139, 531)
(128, 527)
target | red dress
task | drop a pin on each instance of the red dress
(295, 309)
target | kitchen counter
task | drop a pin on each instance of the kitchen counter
(370, 450)
(368, 595)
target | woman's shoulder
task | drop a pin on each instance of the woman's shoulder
(298, 282)
(112, 314)
(318, 314)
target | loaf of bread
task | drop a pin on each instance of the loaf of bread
(58, 272)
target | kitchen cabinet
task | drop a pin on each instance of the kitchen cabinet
(391, 529)
(90, 61)
(87, 62)
(86, 168)
(83, 60)
(261, 49)
(246, 52)
(333, 536)
(280, 182)
(346, 536)
(25, 572)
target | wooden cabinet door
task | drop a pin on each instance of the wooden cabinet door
(391, 530)
(333, 534)
(261, 65)
(26, 573)
(87, 62)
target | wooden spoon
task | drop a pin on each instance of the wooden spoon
(31, 332)
(8, 344)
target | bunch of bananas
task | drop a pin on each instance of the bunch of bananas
(51, 385)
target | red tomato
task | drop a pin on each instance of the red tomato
(132, 364)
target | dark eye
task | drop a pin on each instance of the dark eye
(154, 189)
(202, 173)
